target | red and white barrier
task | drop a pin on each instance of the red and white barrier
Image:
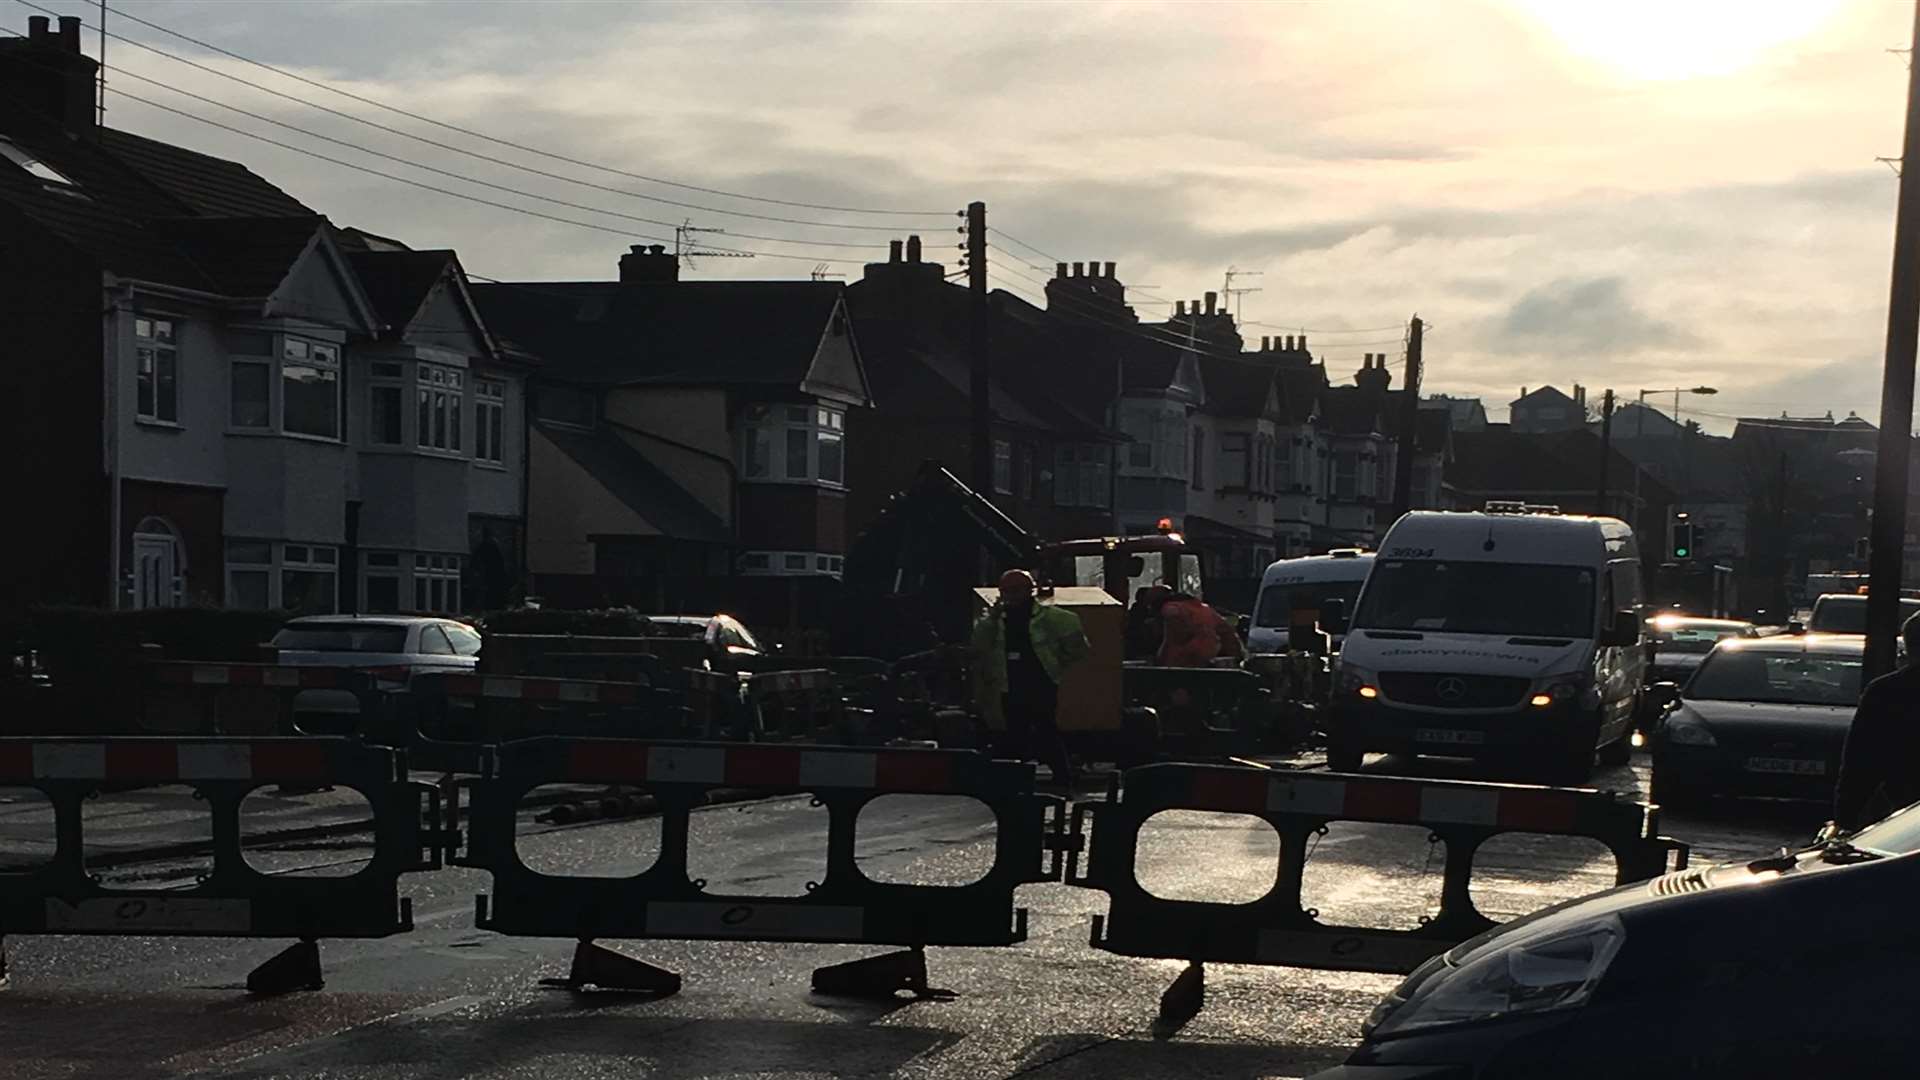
(1243, 792)
(616, 761)
(179, 673)
(157, 761)
(516, 688)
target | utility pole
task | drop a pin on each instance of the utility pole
(1409, 427)
(979, 350)
(1896, 400)
(1606, 450)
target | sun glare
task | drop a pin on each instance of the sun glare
(1678, 39)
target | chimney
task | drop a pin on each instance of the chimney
(1373, 374)
(1301, 343)
(1212, 299)
(1079, 269)
(1179, 307)
(1289, 342)
(1093, 269)
(893, 251)
(1109, 272)
(1266, 343)
(649, 264)
(47, 76)
(913, 248)
(1060, 270)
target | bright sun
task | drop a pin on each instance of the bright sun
(1677, 39)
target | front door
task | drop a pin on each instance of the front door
(153, 571)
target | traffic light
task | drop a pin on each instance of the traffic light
(1683, 540)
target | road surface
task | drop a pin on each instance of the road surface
(448, 1000)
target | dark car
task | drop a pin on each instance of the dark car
(1798, 965)
(1762, 717)
(1681, 642)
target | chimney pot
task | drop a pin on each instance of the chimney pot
(1289, 342)
(1179, 307)
(649, 265)
(70, 32)
(893, 251)
(1059, 270)
(1303, 343)
(1093, 269)
(36, 26)
(1079, 269)
(1266, 343)
(1212, 299)
(913, 248)
(1109, 272)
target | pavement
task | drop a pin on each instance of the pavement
(448, 1000)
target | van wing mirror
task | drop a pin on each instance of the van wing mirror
(1333, 616)
(1662, 696)
(1624, 630)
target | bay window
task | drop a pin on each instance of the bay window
(301, 578)
(1346, 474)
(794, 444)
(436, 583)
(438, 400)
(309, 388)
(382, 582)
(1234, 461)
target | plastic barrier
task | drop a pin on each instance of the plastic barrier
(1276, 929)
(456, 714)
(844, 907)
(234, 899)
(182, 697)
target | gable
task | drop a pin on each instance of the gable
(444, 321)
(836, 372)
(1186, 379)
(319, 288)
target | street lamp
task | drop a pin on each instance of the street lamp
(1639, 426)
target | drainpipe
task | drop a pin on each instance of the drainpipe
(110, 431)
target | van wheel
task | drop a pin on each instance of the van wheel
(1343, 757)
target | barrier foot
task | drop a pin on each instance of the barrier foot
(881, 976)
(3, 963)
(597, 965)
(297, 967)
(1182, 1001)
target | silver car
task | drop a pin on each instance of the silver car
(394, 648)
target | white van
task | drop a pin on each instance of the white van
(1304, 584)
(1508, 635)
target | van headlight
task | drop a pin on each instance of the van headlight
(1359, 682)
(1543, 974)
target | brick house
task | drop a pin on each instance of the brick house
(202, 420)
(689, 443)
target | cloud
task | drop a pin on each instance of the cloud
(1592, 316)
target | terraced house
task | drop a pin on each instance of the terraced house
(224, 399)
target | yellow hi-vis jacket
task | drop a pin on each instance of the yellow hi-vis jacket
(1058, 643)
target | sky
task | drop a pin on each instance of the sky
(1631, 195)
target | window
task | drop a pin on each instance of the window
(438, 399)
(1346, 474)
(789, 563)
(1002, 466)
(382, 575)
(1283, 463)
(434, 642)
(156, 371)
(252, 404)
(310, 388)
(38, 169)
(1234, 461)
(386, 405)
(1080, 476)
(490, 406)
(796, 443)
(1199, 459)
(465, 641)
(436, 583)
(308, 577)
(249, 574)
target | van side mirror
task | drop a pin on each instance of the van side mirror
(1333, 616)
(1624, 630)
(1662, 696)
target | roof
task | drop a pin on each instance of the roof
(685, 332)
(1351, 410)
(244, 256)
(638, 483)
(1236, 388)
(1546, 395)
(1302, 389)
(204, 185)
(397, 282)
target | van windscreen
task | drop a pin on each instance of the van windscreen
(1278, 602)
(1514, 599)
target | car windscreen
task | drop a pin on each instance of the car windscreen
(1791, 678)
(1472, 597)
(1279, 602)
(1896, 835)
(1848, 614)
(1690, 639)
(343, 637)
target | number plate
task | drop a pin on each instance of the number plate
(1790, 766)
(1449, 736)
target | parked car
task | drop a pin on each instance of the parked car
(394, 647)
(1681, 642)
(1846, 613)
(729, 643)
(1796, 965)
(1763, 716)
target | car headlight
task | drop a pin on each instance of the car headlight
(1529, 975)
(1685, 729)
(1359, 682)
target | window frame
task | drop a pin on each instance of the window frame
(489, 421)
(436, 578)
(387, 376)
(439, 401)
(148, 347)
(789, 563)
(770, 435)
(310, 358)
(270, 373)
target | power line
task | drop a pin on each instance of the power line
(488, 138)
(1009, 236)
(469, 179)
